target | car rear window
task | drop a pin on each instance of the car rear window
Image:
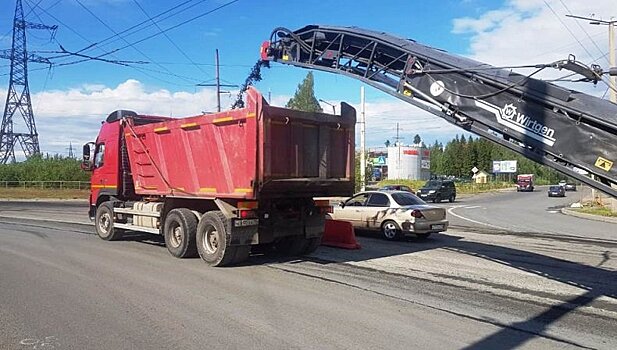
(407, 199)
(555, 188)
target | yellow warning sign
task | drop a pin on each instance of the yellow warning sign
(604, 164)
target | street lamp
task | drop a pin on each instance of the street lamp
(329, 104)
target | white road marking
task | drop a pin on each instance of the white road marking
(471, 207)
(451, 211)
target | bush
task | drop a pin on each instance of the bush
(48, 168)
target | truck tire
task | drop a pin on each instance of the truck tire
(312, 244)
(104, 222)
(179, 231)
(211, 240)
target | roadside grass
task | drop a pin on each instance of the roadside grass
(597, 210)
(42, 193)
(461, 187)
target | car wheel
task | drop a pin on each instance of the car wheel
(390, 230)
(451, 199)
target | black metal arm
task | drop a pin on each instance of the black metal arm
(569, 131)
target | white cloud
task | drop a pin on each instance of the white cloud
(487, 21)
(382, 117)
(74, 115)
(536, 31)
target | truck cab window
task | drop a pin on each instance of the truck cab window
(99, 153)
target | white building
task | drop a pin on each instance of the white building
(409, 163)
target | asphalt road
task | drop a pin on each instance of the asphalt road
(528, 212)
(478, 286)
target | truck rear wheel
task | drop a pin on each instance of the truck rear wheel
(104, 222)
(312, 245)
(212, 242)
(179, 231)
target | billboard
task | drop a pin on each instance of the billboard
(504, 166)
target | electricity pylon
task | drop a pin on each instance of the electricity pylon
(18, 96)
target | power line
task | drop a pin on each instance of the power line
(169, 39)
(582, 28)
(139, 26)
(568, 28)
(128, 44)
(139, 69)
(172, 27)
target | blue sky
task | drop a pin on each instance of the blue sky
(469, 27)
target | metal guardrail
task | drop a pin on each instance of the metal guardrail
(78, 185)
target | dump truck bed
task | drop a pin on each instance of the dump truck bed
(249, 153)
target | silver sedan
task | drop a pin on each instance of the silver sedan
(394, 213)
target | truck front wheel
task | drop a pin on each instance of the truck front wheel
(104, 222)
(179, 230)
(212, 241)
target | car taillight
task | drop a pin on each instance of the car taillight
(417, 214)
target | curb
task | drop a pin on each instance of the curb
(575, 213)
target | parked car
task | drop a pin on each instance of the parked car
(393, 213)
(396, 188)
(438, 190)
(557, 191)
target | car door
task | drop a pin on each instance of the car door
(352, 210)
(375, 210)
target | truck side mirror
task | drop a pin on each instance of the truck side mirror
(341, 204)
(86, 163)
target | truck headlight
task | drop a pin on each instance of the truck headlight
(431, 191)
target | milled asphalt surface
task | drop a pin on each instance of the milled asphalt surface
(503, 280)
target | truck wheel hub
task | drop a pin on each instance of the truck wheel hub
(176, 237)
(211, 243)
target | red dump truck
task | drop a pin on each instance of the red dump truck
(524, 183)
(218, 184)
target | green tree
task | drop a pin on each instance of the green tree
(304, 98)
(417, 139)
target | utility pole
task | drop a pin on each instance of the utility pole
(611, 49)
(18, 95)
(217, 83)
(611, 61)
(362, 140)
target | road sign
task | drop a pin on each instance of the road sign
(474, 170)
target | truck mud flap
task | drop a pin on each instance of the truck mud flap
(242, 232)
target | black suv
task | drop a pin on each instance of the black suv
(438, 190)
